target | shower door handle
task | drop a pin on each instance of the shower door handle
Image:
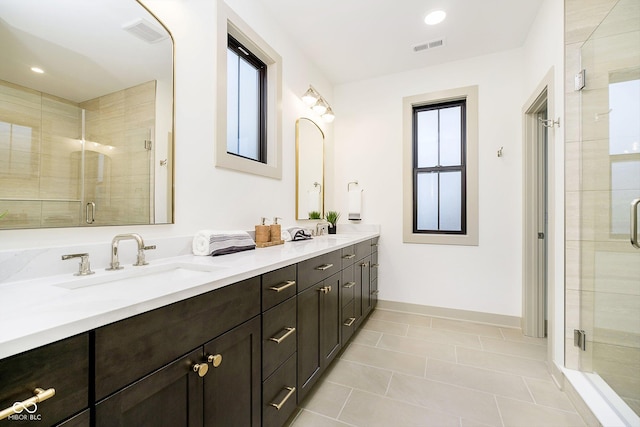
(634, 223)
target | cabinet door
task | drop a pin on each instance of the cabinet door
(232, 385)
(365, 274)
(309, 359)
(318, 331)
(168, 397)
(330, 324)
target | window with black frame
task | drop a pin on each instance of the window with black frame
(439, 168)
(246, 103)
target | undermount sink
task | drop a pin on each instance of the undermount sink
(142, 276)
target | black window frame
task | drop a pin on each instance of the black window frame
(462, 167)
(245, 54)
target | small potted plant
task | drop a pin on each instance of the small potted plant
(315, 215)
(332, 218)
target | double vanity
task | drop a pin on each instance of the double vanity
(234, 340)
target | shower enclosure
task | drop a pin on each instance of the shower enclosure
(608, 336)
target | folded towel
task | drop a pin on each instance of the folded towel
(355, 203)
(212, 242)
(298, 233)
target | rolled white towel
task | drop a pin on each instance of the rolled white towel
(214, 242)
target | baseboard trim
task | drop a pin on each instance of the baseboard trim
(452, 313)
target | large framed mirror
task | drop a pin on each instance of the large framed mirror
(309, 170)
(86, 114)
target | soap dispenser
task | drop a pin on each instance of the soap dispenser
(263, 232)
(276, 230)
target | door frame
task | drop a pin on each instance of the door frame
(534, 306)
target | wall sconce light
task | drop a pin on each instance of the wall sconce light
(318, 104)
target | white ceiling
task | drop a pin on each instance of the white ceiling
(353, 40)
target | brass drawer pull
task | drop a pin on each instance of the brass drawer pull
(40, 396)
(215, 359)
(364, 264)
(375, 292)
(349, 285)
(283, 401)
(324, 267)
(350, 321)
(288, 332)
(375, 245)
(201, 369)
(283, 286)
(325, 289)
(375, 265)
(349, 256)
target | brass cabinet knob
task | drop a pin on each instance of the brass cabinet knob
(201, 369)
(215, 359)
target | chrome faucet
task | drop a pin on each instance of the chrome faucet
(115, 264)
(84, 266)
(321, 227)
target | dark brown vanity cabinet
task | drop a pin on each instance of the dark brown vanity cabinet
(374, 273)
(195, 362)
(57, 372)
(319, 317)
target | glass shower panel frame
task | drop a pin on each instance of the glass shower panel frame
(610, 172)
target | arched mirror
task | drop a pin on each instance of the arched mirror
(309, 170)
(86, 114)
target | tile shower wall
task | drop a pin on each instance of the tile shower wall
(602, 292)
(41, 155)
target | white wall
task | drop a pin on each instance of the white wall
(368, 148)
(208, 197)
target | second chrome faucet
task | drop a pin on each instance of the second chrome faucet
(115, 263)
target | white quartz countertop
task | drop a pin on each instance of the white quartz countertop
(44, 310)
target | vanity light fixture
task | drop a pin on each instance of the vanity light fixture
(435, 17)
(318, 104)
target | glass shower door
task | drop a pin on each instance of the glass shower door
(610, 181)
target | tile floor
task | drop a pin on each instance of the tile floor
(410, 370)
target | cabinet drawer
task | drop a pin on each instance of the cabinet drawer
(348, 322)
(279, 394)
(316, 269)
(83, 419)
(277, 286)
(62, 366)
(279, 336)
(363, 249)
(134, 347)
(374, 244)
(348, 255)
(348, 284)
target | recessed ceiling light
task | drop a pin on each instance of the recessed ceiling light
(435, 17)
(37, 70)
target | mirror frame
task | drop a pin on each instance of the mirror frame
(322, 189)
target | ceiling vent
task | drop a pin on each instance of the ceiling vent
(429, 45)
(144, 30)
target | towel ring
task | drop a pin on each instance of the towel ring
(349, 185)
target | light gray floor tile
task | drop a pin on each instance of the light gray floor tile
(366, 337)
(443, 336)
(502, 363)
(546, 393)
(398, 317)
(516, 413)
(513, 334)
(385, 327)
(472, 423)
(466, 327)
(310, 419)
(453, 400)
(355, 375)
(499, 383)
(418, 347)
(327, 399)
(385, 359)
(371, 410)
(532, 351)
